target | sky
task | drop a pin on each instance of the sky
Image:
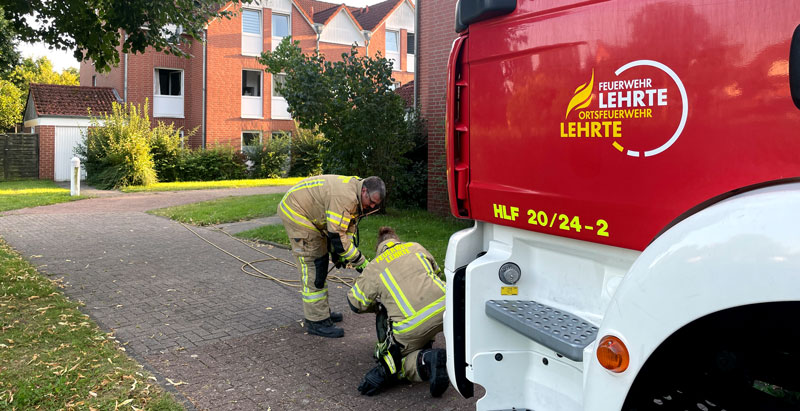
(63, 59)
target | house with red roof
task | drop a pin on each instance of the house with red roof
(61, 116)
(222, 93)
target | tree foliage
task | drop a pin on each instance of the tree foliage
(94, 28)
(9, 55)
(350, 102)
(15, 84)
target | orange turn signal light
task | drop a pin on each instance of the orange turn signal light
(612, 354)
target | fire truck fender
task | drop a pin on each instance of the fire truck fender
(743, 250)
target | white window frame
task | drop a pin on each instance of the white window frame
(259, 99)
(393, 55)
(163, 102)
(277, 39)
(260, 137)
(252, 38)
(278, 101)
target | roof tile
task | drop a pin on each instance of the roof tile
(58, 100)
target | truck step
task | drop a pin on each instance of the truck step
(558, 330)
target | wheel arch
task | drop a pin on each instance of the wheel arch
(742, 251)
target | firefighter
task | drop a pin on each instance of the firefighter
(402, 285)
(320, 215)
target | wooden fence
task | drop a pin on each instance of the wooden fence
(19, 156)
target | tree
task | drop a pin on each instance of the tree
(94, 28)
(351, 103)
(15, 85)
(11, 105)
(9, 56)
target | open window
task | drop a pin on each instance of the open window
(168, 93)
(252, 101)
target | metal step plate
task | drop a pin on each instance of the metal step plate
(558, 330)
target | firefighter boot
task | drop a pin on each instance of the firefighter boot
(432, 366)
(374, 381)
(336, 316)
(324, 328)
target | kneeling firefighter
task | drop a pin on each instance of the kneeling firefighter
(402, 286)
(321, 213)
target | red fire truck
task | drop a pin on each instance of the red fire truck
(633, 170)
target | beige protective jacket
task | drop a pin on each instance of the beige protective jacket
(328, 205)
(404, 278)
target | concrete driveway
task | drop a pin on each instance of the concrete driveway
(184, 309)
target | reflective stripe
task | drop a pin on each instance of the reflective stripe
(337, 219)
(431, 273)
(403, 368)
(304, 271)
(359, 295)
(390, 362)
(420, 317)
(397, 293)
(350, 253)
(310, 297)
(307, 184)
(294, 216)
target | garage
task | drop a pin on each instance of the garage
(60, 116)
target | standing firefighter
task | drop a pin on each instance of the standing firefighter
(320, 214)
(403, 287)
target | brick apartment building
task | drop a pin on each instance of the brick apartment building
(224, 93)
(436, 34)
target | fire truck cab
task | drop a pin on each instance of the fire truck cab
(633, 170)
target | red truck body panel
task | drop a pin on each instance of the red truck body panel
(611, 139)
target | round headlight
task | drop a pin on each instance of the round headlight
(510, 273)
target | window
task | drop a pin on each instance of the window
(251, 83)
(281, 27)
(276, 80)
(252, 103)
(282, 134)
(168, 93)
(251, 32)
(410, 52)
(251, 138)
(94, 81)
(393, 48)
(168, 82)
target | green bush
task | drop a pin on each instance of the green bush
(268, 160)
(116, 149)
(165, 146)
(218, 163)
(306, 158)
(410, 186)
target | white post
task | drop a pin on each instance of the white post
(75, 177)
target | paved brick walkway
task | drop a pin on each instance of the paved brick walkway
(188, 312)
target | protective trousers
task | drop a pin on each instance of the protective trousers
(311, 252)
(410, 346)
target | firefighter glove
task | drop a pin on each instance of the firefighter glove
(362, 266)
(374, 381)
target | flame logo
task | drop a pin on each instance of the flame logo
(583, 96)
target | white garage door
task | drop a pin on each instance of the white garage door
(67, 139)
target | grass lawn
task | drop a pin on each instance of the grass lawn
(223, 210)
(418, 226)
(200, 185)
(32, 193)
(54, 357)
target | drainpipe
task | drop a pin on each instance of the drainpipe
(203, 123)
(416, 51)
(125, 85)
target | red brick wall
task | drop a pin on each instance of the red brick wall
(113, 78)
(435, 36)
(47, 148)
